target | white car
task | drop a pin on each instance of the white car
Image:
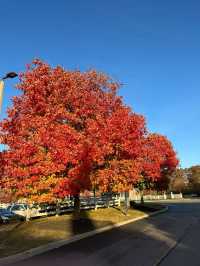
(19, 209)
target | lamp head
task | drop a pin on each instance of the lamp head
(10, 75)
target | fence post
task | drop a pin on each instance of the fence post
(165, 196)
(28, 214)
(57, 208)
(119, 203)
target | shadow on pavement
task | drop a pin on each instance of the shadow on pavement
(141, 243)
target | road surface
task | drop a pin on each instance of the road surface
(172, 238)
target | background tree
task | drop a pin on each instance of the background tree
(121, 168)
(159, 160)
(178, 182)
(194, 178)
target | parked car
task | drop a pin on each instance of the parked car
(18, 209)
(25, 211)
(7, 216)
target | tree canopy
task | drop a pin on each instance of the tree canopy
(69, 131)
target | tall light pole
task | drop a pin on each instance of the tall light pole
(8, 75)
(1, 93)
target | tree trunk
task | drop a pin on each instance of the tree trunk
(127, 202)
(142, 197)
(95, 200)
(76, 207)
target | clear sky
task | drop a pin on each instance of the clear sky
(152, 47)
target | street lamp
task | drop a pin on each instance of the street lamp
(8, 75)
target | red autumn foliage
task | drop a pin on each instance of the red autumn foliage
(69, 132)
(124, 134)
(158, 160)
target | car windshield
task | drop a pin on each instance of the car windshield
(17, 207)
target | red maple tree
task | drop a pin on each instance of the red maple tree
(159, 160)
(62, 129)
(69, 132)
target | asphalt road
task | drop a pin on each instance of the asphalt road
(172, 238)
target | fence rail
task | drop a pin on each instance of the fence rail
(85, 203)
(163, 196)
(34, 211)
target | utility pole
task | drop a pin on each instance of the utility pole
(8, 75)
(1, 93)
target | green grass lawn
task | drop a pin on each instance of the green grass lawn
(38, 232)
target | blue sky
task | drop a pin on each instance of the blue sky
(152, 47)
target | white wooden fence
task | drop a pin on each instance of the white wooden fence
(164, 196)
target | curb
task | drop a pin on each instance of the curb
(41, 249)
